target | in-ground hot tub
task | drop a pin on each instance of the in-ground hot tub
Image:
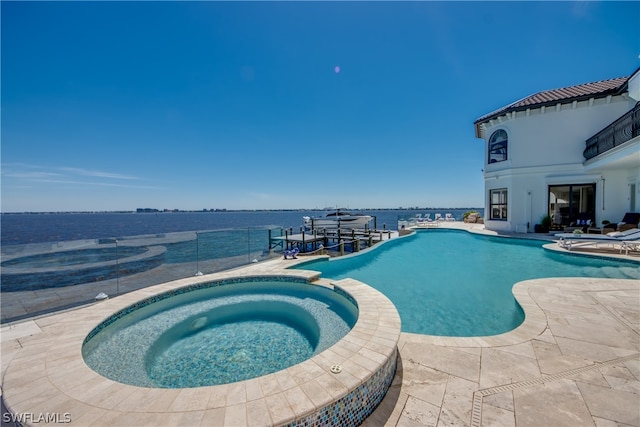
(219, 332)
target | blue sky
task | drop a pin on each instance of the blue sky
(276, 105)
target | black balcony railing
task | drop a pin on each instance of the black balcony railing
(617, 133)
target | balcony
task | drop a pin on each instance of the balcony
(617, 133)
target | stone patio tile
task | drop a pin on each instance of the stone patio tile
(619, 371)
(418, 413)
(98, 417)
(285, 380)
(190, 399)
(254, 391)
(316, 393)
(162, 418)
(595, 334)
(258, 413)
(450, 360)
(458, 402)
(498, 417)
(298, 401)
(584, 349)
(213, 417)
(279, 408)
(601, 422)
(236, 393)
(502, 400)
(634, 366)
(499, 367)
(546, 337)
(544, 350)
(332, 386)
(557, 403)
(269, 385)
(610, 404)
(235, 415)
(556, 364)
(624, 384)
(524, 349)
(592, 376)
(111, 396)
(424, 383)
(20, 400)
(305, 371)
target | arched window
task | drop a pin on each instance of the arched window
(498, 144)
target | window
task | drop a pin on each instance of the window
(498, 204)
(570, 203)
(498, 146)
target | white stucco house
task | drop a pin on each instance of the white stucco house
(571, 153)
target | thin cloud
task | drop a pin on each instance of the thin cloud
(96, 174)
(67, 176)
(94, 183)
(29, 175)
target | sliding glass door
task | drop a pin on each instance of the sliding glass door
(567, 203)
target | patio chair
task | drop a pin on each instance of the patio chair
(624, 238)
(449, 217)
(438, 217)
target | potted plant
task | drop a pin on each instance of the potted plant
(545, 223)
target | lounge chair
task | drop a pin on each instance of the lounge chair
(426, 221)
(630, 220)
(438, 217)
(449, 217)
(426, 218)
(291, 253)
(624, 238)
(630, 245)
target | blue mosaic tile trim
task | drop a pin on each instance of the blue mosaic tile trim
(185, 289)
(345, 294)
(356, 406)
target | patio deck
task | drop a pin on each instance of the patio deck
(575, 361)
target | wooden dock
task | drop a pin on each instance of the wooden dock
(338, 240)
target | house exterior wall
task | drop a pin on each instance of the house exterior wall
(545, 147)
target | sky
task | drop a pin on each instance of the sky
(110, 106)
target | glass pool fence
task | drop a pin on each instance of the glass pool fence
(46, 277)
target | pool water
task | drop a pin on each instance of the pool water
(218, 334)
(256, 347)
(455, 283)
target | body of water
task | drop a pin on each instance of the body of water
(19, 229)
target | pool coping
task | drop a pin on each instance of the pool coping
(49, 375)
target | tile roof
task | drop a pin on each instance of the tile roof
(564, 95)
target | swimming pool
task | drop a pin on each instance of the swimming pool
(219, 332)
(455, 283)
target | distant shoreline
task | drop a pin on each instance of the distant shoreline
(156, 211)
